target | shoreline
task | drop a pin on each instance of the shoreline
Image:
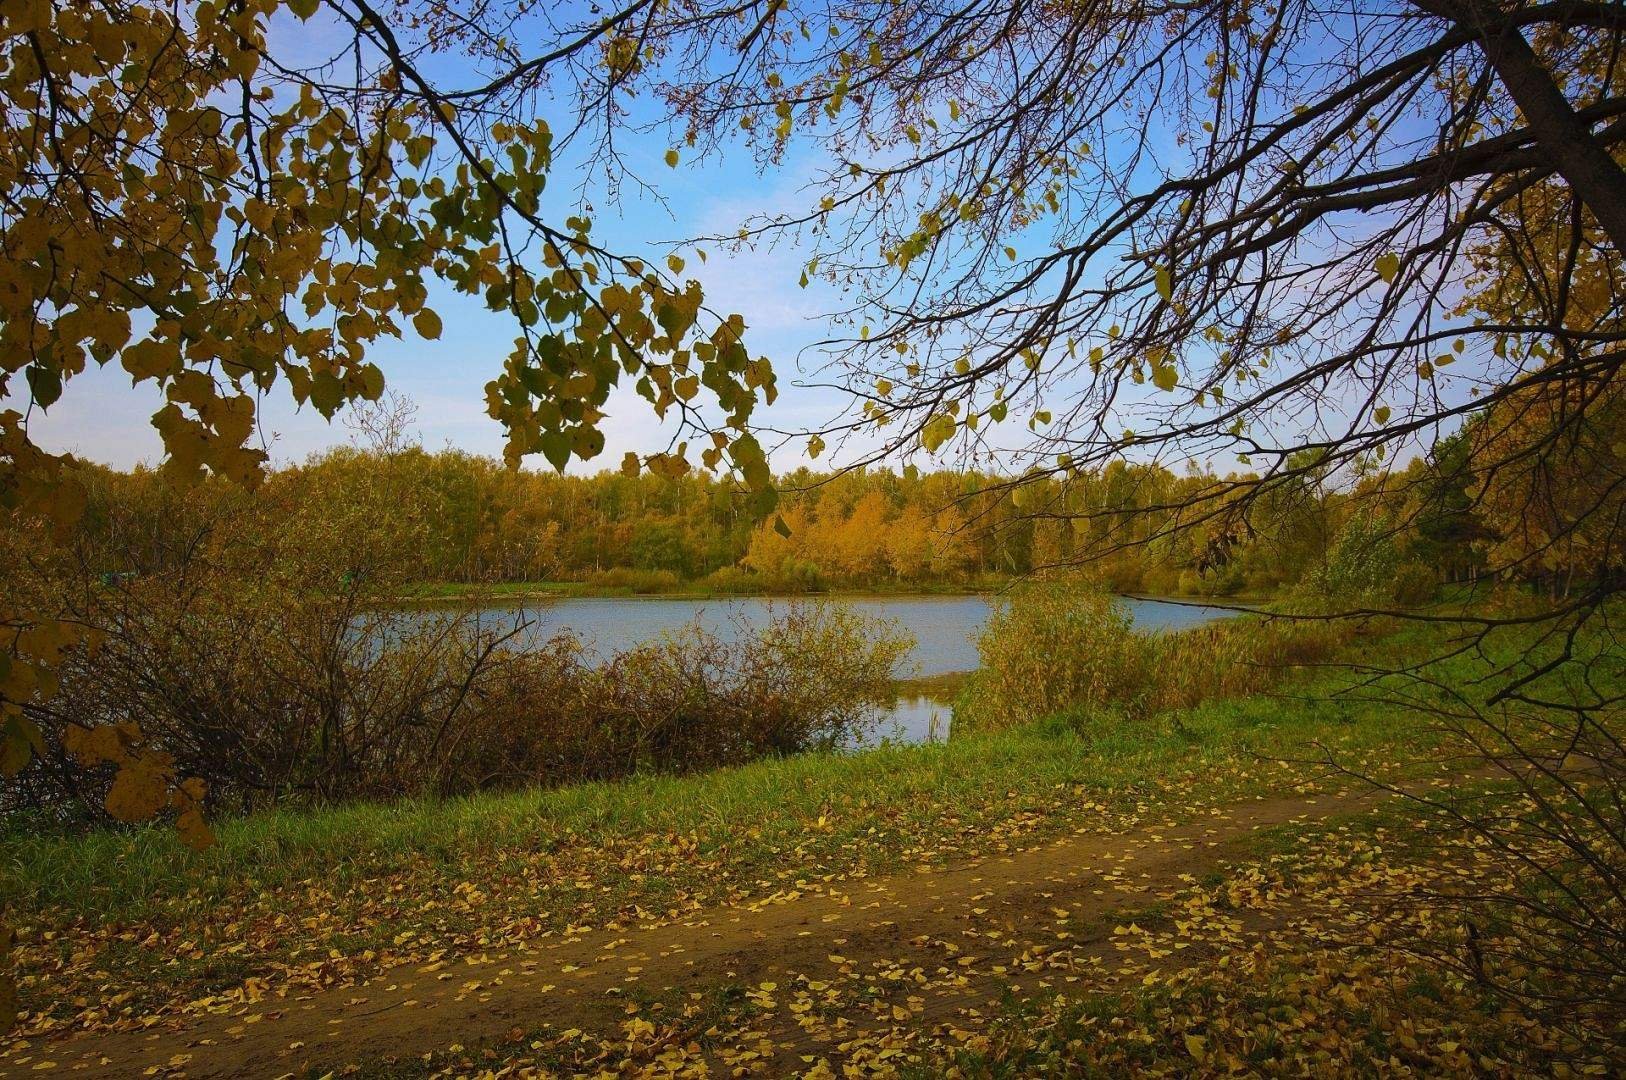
(570, 590)
(451, 594)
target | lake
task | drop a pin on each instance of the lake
(945, 630)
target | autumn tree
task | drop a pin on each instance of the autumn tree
(190, 196)
(1232, 231)
(1305, 238)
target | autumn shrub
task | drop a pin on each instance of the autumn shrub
(1539, 741)
(1360, 566)
(1054, 645)
(813, 677)
(269, 674)
(1235, 657)
(1415, 585)
(1160, 579)
(1227, 580)
(1551, 932)
(1067, 646)
(796, 576)
(732, 581)
(634, 580)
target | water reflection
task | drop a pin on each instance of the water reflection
(913, 718)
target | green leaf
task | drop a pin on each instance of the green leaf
(751, 461)
(1388, 266)
(555, 448)
(45, 383)
(372, 382)
(1165, 283)
(936, 431)
(672, 157)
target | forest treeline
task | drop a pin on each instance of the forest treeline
(412, 516)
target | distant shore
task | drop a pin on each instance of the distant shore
(458, 592)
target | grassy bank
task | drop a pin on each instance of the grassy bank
(318, 897)
(872, 810)
(119, 926)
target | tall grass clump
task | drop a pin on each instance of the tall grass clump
(1236, 657)
(1067, 646)
(1055, 645)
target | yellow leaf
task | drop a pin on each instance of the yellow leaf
(427, 324)
(137, 794)
(195, 832)
(93, 746)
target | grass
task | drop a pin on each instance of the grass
(117, 873)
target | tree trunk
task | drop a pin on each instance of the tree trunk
(1597, 180)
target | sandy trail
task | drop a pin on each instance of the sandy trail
(935, 943)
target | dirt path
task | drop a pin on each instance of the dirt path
(918, 947)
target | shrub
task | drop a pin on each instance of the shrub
(1160, 579)
(267, 691)
(1361, 565)
(799, 576)
(1054, 645)
(733, 580)
(1227, 580)
(1234, 657)
(813, 677)
(1415, 585)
